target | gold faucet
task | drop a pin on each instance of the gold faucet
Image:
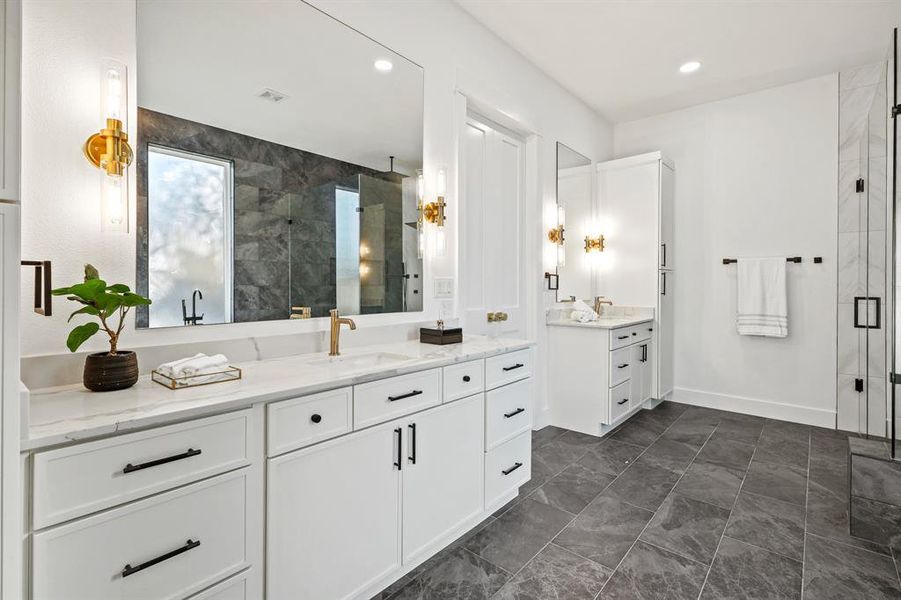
(337, 322)
(600, 301)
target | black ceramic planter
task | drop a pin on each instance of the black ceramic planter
(105, 373)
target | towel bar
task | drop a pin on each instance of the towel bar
(791, 259)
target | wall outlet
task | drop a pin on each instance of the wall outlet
(444, 287)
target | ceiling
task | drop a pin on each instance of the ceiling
(208, 62)
(622, 57)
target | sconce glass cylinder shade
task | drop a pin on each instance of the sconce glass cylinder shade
(109, 150)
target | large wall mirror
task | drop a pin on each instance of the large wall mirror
(276, 161)
(575, 194)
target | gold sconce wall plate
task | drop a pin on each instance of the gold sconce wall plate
(497, 317)
(108, 149)
(594, 244)
(433, 212)
(555, 235)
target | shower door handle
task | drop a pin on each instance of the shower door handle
(867, 312)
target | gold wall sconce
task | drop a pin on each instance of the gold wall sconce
(109, 150)
(594, 244)
(433, 213)
(556, 235)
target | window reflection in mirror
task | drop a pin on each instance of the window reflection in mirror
(277, 182)
(575, 193)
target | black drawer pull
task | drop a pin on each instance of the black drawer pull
(516, 366)
(511, 469)
(130, 468)
(402, 396)
(316, 418)
(622, 366)
(623, 337)
(130, 570)
(514, 413)
(466, 378)
(412, 457)
(623, 401)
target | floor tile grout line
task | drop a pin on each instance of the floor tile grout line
(687, 467)
(729, 518)
(806, 505)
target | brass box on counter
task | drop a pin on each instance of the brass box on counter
(440, 336)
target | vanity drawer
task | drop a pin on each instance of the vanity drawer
(387, 399)
(464, 380)
(633, 334)
(185, 540)
(508, 412)
(233, 588)
(81, 479)
(619, 400)
(620, 365)
(507, 467)
(303, 421)
(507, 368)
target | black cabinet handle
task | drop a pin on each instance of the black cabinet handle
(130, 570)
(516, 366)
(514, 413)
(412, 457)
(466, 378)
(623, 401)
(398, 432)
(316, 418)
(664, 254)
(511, 469)
(402, 396)
(130, 468)
(623, 337)
(663, 291)
(644, 353)
(622, 366)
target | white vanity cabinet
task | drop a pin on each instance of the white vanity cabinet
(600, 376)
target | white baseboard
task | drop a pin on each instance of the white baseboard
(819, 417)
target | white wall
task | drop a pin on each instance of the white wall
(61, 107)
(756, 175)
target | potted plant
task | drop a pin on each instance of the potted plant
(103, 371)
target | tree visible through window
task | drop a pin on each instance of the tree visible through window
(190, 216)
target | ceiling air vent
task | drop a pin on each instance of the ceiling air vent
(271, 95)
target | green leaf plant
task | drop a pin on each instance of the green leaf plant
(103, 302)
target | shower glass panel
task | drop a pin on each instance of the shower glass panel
(893, 156)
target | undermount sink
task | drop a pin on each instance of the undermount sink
(361, 361)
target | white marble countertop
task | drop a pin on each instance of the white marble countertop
(71, 413)
(603, 322)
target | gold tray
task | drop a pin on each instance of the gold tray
(177, 383)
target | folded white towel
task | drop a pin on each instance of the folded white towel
(197, 364)
(762, 297)
(582, 313)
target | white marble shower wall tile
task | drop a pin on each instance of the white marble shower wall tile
(848, 404)
(848, 341)
(876, 195)
(873, 410)
(849, 284)
(854, 104)
(874, 347)
(860, 76)
(848, 198)
(872, 254)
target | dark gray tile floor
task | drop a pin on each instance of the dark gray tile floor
(679, 502)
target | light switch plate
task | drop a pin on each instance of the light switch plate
(444, 287)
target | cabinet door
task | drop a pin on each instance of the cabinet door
(647, 371)
(334, 516)
(667, 217)
(443, 473)
(665, 330)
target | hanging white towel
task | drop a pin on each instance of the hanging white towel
(762, 297)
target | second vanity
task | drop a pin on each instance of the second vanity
(602, 372)
(310, 478)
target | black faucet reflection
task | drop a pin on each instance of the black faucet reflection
(194, 318)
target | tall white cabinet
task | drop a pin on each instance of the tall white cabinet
(636, 197)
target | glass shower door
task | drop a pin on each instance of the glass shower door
(893, 157)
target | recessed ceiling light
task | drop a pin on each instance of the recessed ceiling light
(384, 65)
(690, 67)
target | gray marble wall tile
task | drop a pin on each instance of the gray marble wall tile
(742, 571)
